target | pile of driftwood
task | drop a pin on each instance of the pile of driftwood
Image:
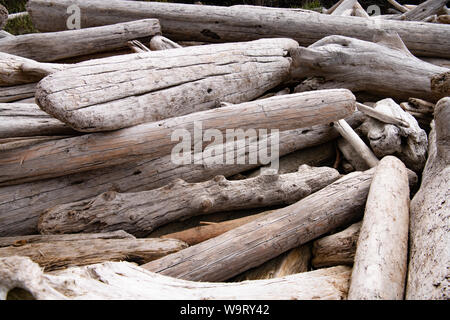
(92, 204)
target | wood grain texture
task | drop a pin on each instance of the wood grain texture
(220, 24)
(153, 140)
(122, 91)
(18, 92)
(123, 280)
(52, 46)
(141, 213)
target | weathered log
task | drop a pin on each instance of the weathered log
(440, 83)
(385, 68)
(61, 254)
(48, 46)
(123, 280)
(358, 11)
(20, 142)
(294, 261)
(445, 18)
(352, 156)
(382, 116)
(379, 271)
(423, 10)
(22, 240)
(21, 205)
(408, 144)
(137, 46)
(228, 24)
(3, 16)
(245, 247)
(336, 249)
(162, 43)
(27, 120)
(345, 8)
(14, 93)
(141, 213)
(4, 34)
(398, 6)
(428, 270)
(202, 233)
(152, 140)
(122, 91)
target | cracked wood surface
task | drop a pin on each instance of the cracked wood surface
(122, 91)
(227, 24)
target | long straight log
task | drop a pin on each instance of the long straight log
(122, 91)
(152, 140)
(21, 205)
(27, 120)
(221, 24)
(428, 270)
(379, 271)
(123, 280)
(60, 254)
(50, 46)
(14, 93)
(423, 10)
(141, 213)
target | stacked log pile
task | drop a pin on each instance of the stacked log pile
(175, 150)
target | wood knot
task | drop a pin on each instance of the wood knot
(108, 196)
(204, 204)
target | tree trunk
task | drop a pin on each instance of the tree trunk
(428, 271)
(141, 213)
(122, 91)
(336, 249)
(27, 120)
(123, 280)
(385, 68)
(227, 24)
(21, 205)
(152, 140)
(50, 46)
(61, 254)
(379, 270)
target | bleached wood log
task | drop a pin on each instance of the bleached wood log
(351, 155)
(358, 11)
(21, 205)
(20, 142)
(141, 213)
(356, 142)
(428, 270)
(384, 68)
(250, 245)
(398, 6)
(61, 254)
(22, 240)
(382, 116)
(137, 46)
(3, 16)
(117, 92)
(228, 24)
(123, 280)
(294, 261)
(336, 249)
(27, 120)
(408, 144)
(437, 61)
(162, 43)
(14, 93)
(345, 8)
(333, 7)
(379, 271)
(82, 41)
(4, 34)
(440, 83)
(423, 10)
(152, 140)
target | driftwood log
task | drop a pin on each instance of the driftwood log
(162, 43)
(423, 10)
(48, 46)
(152, 140)
(351, 156)
(336, 249)
(384, 68)
(123, 280)
(141, 213)
(61, 254)
(227, 24)
(428, 271)
(14, 93)
(252, 244)
(122, 91)
(27, 120)
(379, 271)
(21, 205)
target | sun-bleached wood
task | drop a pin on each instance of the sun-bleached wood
(21, 205)
(382, 116)
(27, 120)
(162, 43)
(18, 92)
(141, 213)
(423, 10)
(336, 249)
(79, 42)
(428, 269)
(398, 6)
(345, 8)
(122, 91)
(123, 280)
(237, 23)
(379, 271)
(384, 67)
(152, 140)
(351, 155)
